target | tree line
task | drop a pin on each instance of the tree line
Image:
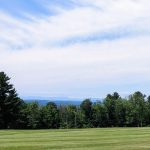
(113, 111)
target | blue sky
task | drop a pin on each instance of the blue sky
(76, 48)
(17, 7)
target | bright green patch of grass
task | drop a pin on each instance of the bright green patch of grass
(77, 139)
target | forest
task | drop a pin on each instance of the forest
(113, 111)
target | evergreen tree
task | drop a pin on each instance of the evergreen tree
(137, 104)
(33, 115)
(9, 103)
(86, 108)
(111, 102)
(49, 116)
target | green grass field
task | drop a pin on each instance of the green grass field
(77, 139)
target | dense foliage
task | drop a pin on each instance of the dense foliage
(113, 111)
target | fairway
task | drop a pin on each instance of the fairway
(76, 139)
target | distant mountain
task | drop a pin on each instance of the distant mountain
(48, 98)
(58, 103)
(57, 100)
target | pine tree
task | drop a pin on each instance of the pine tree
(9, 103)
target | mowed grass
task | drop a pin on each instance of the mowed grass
(76, 139)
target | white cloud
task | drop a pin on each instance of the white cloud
(38, 67)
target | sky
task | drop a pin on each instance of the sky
(76, 48)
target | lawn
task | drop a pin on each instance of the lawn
(77, 139)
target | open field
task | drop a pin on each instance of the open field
(77, 139)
